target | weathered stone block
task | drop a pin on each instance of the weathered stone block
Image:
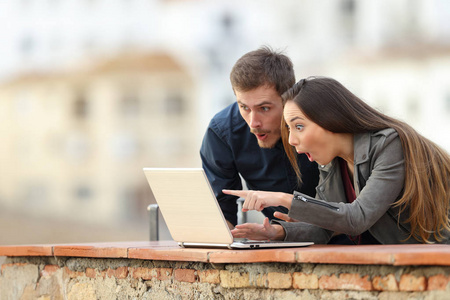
(345, 281)
(209, 276)
(234, 279)
(385, 283)
(411, 283)
(258, 280)
(82, 290)
(144, 273)
(91, 273)
(305, 281)
(185, 275)
(438, 282)
(279, 280)
(72, 274)
(49, 270)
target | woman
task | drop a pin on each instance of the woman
(380, 181)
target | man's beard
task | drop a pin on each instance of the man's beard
(268, 143)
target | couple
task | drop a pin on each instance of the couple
(377, 180)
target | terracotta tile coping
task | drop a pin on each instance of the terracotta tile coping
(168, 250)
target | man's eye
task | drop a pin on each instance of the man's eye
(243, 107)
(265, 108)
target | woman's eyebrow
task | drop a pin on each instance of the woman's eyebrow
(295, 118)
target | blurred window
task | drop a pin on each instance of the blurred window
(83, 192)
(129, 104)
(174, 104)
(227, 23)
(80, 106)
(348, 7)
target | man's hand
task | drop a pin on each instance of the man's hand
(259, 232)
(258, 200)
(230, 225)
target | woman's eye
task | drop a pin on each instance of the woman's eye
(299, 127)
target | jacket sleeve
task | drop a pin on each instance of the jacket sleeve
(382, 188)
(218, 163)
(304, 232)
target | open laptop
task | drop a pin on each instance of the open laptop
(192, 213)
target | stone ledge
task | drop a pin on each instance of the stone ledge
(122, 278)
(396, 255)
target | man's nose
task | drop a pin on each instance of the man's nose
(254, 120)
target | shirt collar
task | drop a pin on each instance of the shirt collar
(361, 147)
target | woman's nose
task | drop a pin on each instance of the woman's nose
(293, 141)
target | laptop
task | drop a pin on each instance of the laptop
(192, 213)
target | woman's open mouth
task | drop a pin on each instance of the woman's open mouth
(307, 155)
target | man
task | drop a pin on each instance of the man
(244, 139)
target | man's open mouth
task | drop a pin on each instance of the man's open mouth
(261, 136)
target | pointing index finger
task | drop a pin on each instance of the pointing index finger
(238, 193)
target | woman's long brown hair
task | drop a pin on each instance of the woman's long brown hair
(426, 190)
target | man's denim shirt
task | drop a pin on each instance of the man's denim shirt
(229, 151)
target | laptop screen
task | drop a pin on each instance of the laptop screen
(188, 205)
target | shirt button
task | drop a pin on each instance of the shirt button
(364, 156)
(321, 188)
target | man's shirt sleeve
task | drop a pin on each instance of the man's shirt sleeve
(218, 163)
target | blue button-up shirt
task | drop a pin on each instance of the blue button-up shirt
(230, 151)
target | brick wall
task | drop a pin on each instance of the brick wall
(84, 278)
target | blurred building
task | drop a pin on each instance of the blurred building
(412, 85)
(76, 143)
(92, 91)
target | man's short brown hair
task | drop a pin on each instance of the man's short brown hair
(263, 67)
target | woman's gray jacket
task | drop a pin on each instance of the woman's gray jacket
(379, 175)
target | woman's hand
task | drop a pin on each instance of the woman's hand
(258, 200)
(283, 217)
(259, 232)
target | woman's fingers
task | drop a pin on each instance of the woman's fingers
(284, 217)
(254, 200)
(239, 193)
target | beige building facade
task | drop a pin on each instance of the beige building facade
(74, 144)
